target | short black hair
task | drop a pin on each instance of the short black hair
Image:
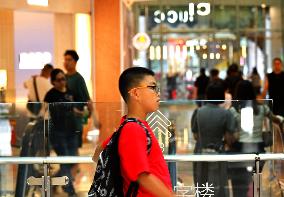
(277, 59)
(73, 54)
(214, 72)
(245, 94)
(54, 73)
(130, 78)
(202, 71)
(244, 91)
(47, 67)
(215, 92)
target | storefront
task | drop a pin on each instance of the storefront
(187, 35)
(34, 33)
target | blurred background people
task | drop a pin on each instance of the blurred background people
(210, 125)
(273, 85)
(200, 86)
(62, 127)
(38, 86)
(250, 136)
(256, 81)
(77, 85)
(172, 84)
(234, 75)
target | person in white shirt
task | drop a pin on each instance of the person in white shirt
(41, 84)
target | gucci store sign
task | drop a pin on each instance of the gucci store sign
(173, 16)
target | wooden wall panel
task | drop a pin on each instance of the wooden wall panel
(107, 62)
(7, 51)
(64, 36)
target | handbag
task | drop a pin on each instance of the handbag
(34, 107)
(267, 138)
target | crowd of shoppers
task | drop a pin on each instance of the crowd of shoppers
(211, 125)
(67, 97)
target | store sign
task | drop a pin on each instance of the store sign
(141, 41)
(34, 60)
(173, 16)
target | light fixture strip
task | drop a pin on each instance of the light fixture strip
(38, 2)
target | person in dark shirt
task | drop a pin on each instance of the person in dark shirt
(214, 77)
(274, 86)
(234, 76)
(200, 85)
(76, 83)
(256, 81)
(211, 124)
(62, 127)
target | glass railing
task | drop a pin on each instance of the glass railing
(74, 129)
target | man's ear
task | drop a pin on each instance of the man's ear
(134, 94)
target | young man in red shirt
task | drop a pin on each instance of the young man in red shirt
(139, 90)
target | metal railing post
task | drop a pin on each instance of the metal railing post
(46, 182)
(257, 179)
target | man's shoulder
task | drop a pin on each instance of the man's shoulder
(132, 126)
(52, 91)
(40, 79)
(76, 76)
(135, 129)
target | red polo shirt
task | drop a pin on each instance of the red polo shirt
(134, 160)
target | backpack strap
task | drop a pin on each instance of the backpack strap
(134, 185)
(149, 140)
(133, 189)
(35, 88)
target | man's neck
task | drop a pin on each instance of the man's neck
(135, 112)
(277, 72)
(71, 72)
(44, 76)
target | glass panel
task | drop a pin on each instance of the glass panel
(173, 125)
(8, 178)
(224, 17)
(21, 135)
(247, 119)
(73, 130)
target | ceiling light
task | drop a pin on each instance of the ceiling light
(38, 2)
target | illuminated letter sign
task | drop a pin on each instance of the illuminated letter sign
(172, 16)
(158, 19)
(206, 10)
(34, 60)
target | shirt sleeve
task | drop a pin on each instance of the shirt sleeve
(194, 126)
(47, 98)
(83, 91)
(230, 122)
(132, 149)
(45, 87)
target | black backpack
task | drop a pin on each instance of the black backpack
(108, 180)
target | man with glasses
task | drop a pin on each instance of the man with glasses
(140, 156)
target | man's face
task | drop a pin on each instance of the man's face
(69, 63)
(147, 94)
(277, 66)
